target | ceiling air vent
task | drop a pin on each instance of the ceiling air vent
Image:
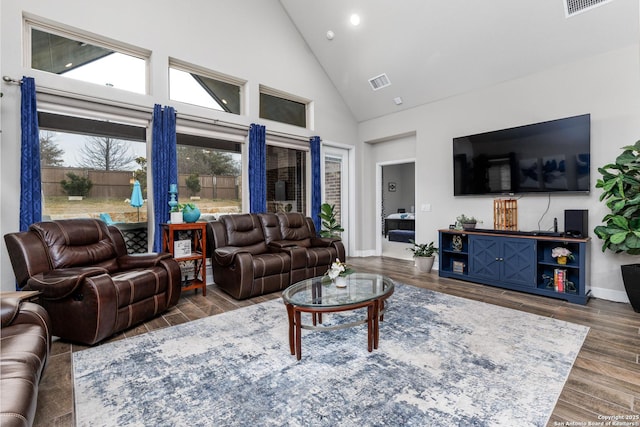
(379, 82)
(574, 7)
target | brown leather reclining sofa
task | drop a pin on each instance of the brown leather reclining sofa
(255, 254)
(89, 285)
(25, 347)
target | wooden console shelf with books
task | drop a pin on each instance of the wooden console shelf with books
(187, 244)
(519, 261)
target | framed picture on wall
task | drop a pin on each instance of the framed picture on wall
(391, 186)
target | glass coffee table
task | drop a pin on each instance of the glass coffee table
(319, 295)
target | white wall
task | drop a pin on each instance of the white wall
(606, 86)
(400, 149)
(250, 39)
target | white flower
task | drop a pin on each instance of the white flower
(333, 273)
(559, 251)
(338, 269)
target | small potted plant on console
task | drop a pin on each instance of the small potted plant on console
(466, 222)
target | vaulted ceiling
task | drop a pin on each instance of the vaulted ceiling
(434, 49)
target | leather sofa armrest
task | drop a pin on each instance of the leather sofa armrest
(9, 308)
(131, 261)
(58, 284)
(323, 242)
(225, 255)
(17, 312)
(279, 244)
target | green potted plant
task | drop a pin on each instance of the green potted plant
(330, 225)
(620, 184)
(466, 222)
(424, 255)
(175, 214)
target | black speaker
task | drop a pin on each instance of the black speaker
(576, 222)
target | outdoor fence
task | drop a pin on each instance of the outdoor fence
(118, 184)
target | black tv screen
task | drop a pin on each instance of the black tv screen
(545, 157)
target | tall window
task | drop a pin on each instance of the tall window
(209, 174)
(286, 180)
(89, 168)
(204, 89)
(79, 58)
(283, 108)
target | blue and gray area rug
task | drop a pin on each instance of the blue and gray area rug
(442, 361)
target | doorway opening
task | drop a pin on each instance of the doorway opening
(396, 209)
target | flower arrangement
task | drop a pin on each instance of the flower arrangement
(338, 268)
(561, 252)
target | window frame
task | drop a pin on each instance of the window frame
(210, 74)
(308, 105)
(30, 23)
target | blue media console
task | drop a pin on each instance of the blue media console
(517, 261)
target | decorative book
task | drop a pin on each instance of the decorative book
(181, 248)
(458, 267)
(559, 279)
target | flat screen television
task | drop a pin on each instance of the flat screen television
(546, 157)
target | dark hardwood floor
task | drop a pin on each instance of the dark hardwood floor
(604, 381)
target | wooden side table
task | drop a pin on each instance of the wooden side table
(21, 295)
(194, 251)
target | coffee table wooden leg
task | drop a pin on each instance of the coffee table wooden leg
(370, 323)
(376, 323)
(291, 329)
(298, 334)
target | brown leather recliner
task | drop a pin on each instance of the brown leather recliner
(295, 234)
(26, 344)
(243, 265)
(89, 285)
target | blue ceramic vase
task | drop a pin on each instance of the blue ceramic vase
(191, 214)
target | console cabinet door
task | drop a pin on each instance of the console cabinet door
(484, 257)
(503, 259)
(519, 261)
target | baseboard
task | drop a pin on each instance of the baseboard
(362, 254)
(609, 294)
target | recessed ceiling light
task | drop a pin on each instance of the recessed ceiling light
(355, 19)
(69, 64)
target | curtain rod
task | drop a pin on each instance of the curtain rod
(287, 135)
(11, 80)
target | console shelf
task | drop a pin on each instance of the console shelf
(518, 261)
(194, 234)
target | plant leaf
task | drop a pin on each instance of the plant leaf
(618, 238)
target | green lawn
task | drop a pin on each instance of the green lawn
(60, 207)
